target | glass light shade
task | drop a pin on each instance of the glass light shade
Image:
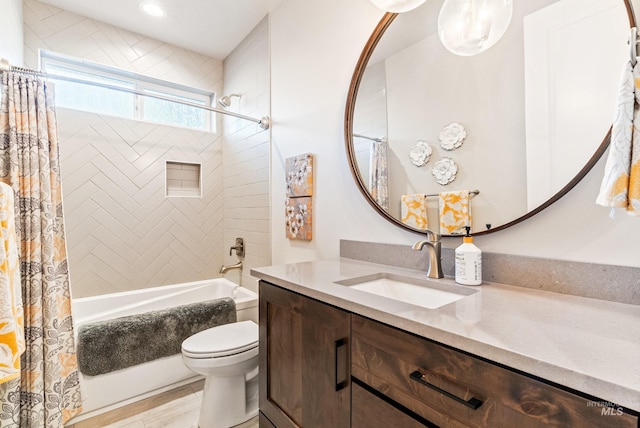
(469, 27)
(397, 6)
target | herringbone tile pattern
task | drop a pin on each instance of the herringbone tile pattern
(50, 28)
(123, 233)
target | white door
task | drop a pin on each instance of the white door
(575, 51)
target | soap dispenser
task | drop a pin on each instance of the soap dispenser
(468, 261)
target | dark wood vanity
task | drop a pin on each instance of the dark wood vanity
(321, 366)
(304, 371)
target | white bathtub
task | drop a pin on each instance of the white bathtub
(112, 390)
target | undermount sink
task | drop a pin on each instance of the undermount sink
(420, 292)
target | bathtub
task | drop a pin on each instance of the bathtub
(112, 390)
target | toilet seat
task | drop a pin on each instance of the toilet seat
(222, 341)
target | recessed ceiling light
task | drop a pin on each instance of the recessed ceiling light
(153, 9)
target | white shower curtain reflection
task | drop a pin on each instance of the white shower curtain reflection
(378, 173)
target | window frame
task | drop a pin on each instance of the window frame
(140, 83)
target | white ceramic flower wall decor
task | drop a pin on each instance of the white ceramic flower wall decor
(444, 171)
(452, 136)
(420, 153)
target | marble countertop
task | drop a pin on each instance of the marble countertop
(589, 345)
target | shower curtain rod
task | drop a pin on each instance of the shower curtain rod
(264, 121)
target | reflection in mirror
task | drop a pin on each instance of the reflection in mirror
(535, 107)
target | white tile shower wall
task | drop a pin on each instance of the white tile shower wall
(122, 232)
(50, 28)
(246, 155)
(11, 43)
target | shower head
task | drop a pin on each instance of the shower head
(225, 101)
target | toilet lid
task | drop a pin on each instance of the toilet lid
(227, 339)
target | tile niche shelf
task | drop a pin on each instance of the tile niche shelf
(183, 179)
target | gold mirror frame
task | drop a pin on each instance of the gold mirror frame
(369, 47)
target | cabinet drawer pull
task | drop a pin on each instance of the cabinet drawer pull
(340, 384)
(472, 402)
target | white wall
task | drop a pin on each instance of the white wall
(315, 46)
(11, 42)
(314, 49)
(246, 155)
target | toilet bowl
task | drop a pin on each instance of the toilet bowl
(227, 356)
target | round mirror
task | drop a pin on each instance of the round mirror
(506, 132)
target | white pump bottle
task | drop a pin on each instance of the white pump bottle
(468, 262)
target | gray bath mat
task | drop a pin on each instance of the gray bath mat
(105, 346)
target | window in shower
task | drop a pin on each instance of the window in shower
(120, 99)
(184, 179)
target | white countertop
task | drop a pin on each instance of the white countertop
(589, 345)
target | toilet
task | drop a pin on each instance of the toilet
(227, 355)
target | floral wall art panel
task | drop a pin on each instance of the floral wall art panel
(298, 218)
(299, 175)
(298, 205)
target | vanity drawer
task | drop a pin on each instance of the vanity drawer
(369, 410)
(452, 389)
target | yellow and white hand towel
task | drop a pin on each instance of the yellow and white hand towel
(455, 212)
(414, 211)
(12, 342)
(621, 182)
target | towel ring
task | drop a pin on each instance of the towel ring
(633, 45)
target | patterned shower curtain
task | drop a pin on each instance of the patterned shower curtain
(379, 173)
(47, 393)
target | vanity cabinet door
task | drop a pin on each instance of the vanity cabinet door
(304, 361)
(453, 389)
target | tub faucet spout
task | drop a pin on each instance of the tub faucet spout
(434, 246)
(225, 268)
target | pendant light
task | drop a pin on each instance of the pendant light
(469, 27)
(397, 6)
